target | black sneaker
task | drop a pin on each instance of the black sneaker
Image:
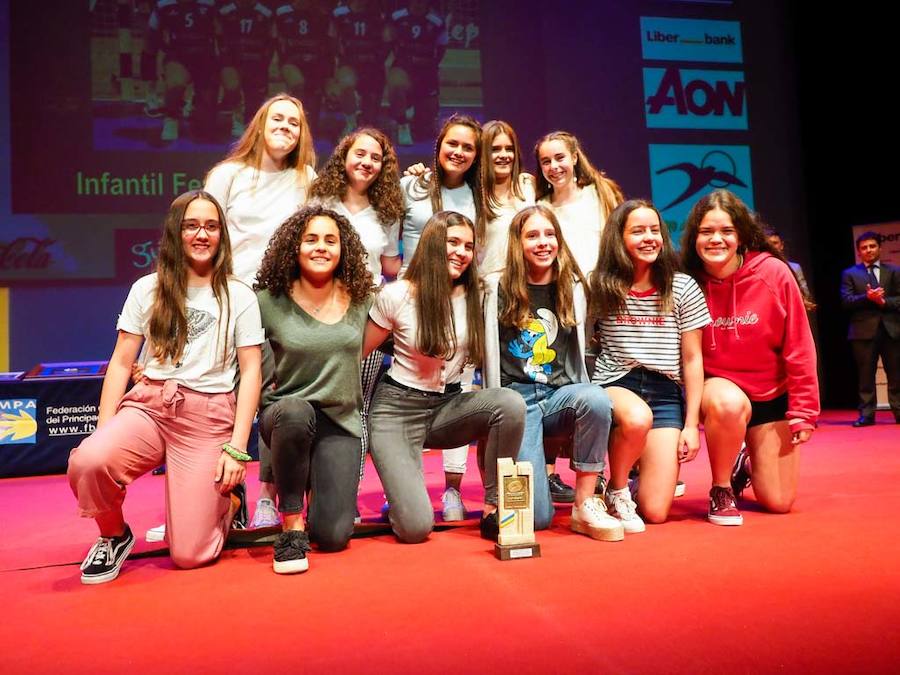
(559, 491)
(241, 517)
(740, 473)
(490, 526)
(105, 558)
(291, 548)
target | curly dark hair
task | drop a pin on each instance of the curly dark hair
(384, 193)
(280, 267)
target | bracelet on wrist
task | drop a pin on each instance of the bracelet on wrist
(237, 454)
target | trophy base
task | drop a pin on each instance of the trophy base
(516, 551)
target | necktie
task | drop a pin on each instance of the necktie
(873, 280)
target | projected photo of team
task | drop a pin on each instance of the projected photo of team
(189, 74)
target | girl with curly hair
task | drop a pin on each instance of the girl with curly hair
(759, 358)
(361, 182)
(314, 293)
(200, 326)
(261, 182)
(435, 316)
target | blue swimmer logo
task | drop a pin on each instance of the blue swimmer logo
(533, 345)
(717, 169)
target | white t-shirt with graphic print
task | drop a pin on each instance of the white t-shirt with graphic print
(201, 367)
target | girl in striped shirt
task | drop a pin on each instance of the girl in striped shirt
(649, 324)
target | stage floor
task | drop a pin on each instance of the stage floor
(812, 591)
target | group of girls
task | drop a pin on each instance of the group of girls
(569, 298)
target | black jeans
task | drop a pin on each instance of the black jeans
(310, 452)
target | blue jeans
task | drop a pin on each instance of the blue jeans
(582, 411)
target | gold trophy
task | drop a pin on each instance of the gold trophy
(515, 511)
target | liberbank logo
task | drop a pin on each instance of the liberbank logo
(695, 99)
(682, 174)
(668, 39)
(17, 420)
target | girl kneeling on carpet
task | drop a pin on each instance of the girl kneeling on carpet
(200, 325)
(759, 358)
(314, 294)
(649, 323)
(534, 315)
(436, 319)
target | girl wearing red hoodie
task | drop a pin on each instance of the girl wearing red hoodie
(759, 358)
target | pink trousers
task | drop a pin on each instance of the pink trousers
(160, 422)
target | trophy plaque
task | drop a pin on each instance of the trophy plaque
(515, 511)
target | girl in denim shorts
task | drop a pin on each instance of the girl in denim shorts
(649, 323)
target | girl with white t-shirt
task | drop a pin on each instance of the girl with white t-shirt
(360, 181)
(201, 325)
(261, 182)
(650, 319)
(581, 198)
(507, 189)
(453, 183)
(435, 316)
(580, 195)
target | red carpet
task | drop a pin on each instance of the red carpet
(813, 591)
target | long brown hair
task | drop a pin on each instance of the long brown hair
(168, 317)
(613, 276)
(489, 132)
(384, 192)
(514, 282)
(431, 187)
(433, 288)
(280, 266)
(608, 191)
(251, 146)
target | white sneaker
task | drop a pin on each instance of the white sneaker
(265, 514)
(622, 508)
(680, 488)
(592, 519)
(453, 506)
(157, 533)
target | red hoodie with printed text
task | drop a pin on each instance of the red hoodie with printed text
(759, 337)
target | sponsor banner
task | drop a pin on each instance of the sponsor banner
(676, 98)
(669, 39)
(17, 421)
(135, 253)
(682, 174)
(40, 423)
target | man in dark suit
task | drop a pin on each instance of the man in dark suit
(871, 291)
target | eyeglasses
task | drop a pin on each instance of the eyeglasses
(193, 227)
